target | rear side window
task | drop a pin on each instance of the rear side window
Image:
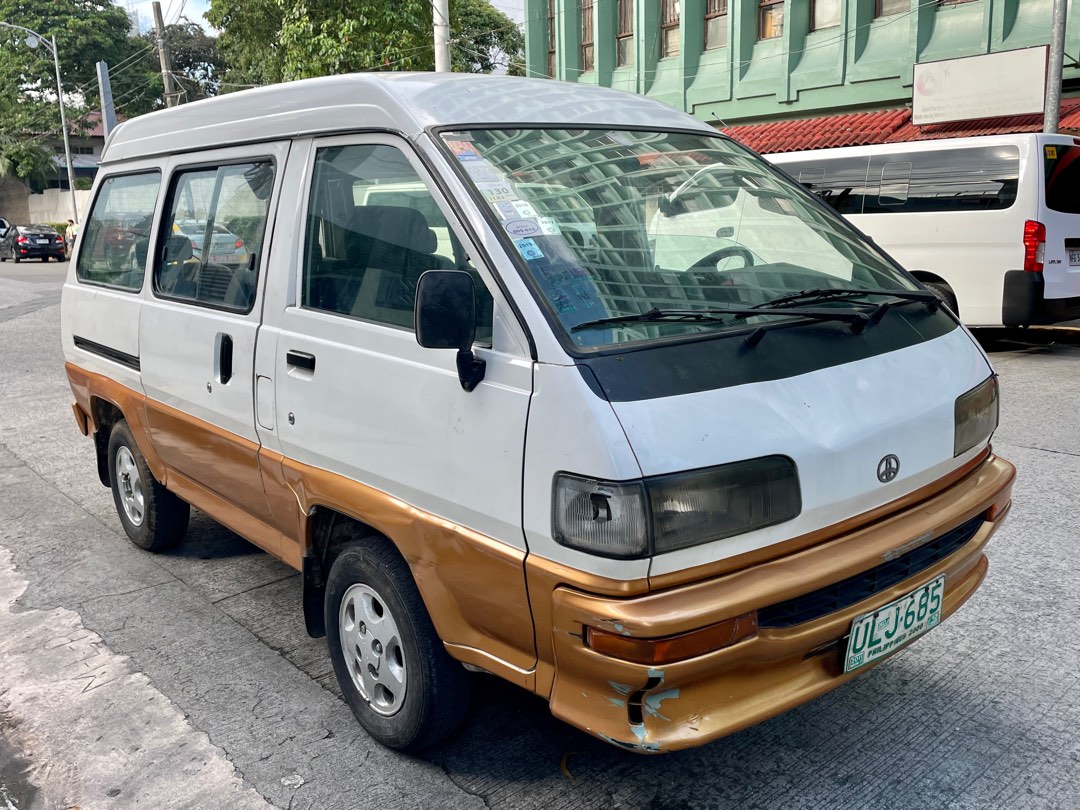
(1062, 172)
(840, 182)
(211, 243)
(116, 236)
(982, 178)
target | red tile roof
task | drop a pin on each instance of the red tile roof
(884, 126)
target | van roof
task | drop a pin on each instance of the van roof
(401, 102)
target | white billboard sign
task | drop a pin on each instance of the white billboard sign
(989, 86)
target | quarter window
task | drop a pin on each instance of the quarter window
(210, 249)
(373, 229)
(116, 236)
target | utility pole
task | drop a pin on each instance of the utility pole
(108, 111)
(1053, 73)
(171, 96)
(440, 12)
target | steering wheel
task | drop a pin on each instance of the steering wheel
(713, 259)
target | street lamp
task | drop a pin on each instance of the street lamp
(33, 39)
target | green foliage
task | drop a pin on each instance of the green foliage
(268, 41)
(86, 31)
(197, 67)
(27, 159)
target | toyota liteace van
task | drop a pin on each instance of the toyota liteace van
(674, 480)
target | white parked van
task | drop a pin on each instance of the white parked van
(991, 223)
(605, 435)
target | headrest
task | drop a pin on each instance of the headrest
(404, 227)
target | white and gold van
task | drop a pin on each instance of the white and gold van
(596, 401)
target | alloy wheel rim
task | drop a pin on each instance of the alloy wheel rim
(130, 486)
(371, 645)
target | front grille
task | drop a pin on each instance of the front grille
(854, 589)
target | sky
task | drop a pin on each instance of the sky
(194, 10)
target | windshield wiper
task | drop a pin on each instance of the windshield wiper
(857, 319)
(833, 293)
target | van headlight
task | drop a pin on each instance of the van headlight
(664, 513)
(975, 416)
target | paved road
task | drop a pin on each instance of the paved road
(186, 679)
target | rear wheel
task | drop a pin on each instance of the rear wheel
(945, 293)
(397, 677)
(153, 517)
(15, 259)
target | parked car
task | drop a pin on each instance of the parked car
(225, 247)
(32, 242)
(4, 225)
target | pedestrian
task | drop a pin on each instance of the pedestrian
(70, 235)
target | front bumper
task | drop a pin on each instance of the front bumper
(690, 702)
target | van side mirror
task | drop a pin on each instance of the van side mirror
(445, 318)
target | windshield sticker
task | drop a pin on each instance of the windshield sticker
(525, 209)
(496, 192)
(548, 226)
(463, 150)
(505, 210)
(483, 172)
(528, 249)
(522, 227)
(1051, 152)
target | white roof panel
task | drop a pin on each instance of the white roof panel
(403, 102)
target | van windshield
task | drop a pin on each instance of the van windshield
(618, 223)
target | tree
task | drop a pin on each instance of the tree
(197, 68)
(86, 31)
(267, 41)
(27, 159)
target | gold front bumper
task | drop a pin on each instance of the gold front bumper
(690, 702)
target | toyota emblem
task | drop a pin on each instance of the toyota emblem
(888, 468)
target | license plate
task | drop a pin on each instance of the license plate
(43, 241)
(223, 258)
(1074, 257)
(875, 635)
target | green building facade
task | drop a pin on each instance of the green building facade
(736, 62)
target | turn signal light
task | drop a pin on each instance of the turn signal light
(668, 649)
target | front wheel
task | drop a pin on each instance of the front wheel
(397, 677)
(153, 517)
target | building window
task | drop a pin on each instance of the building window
(669, 27)
(715, 24)
(551, 40)
(825, 14)
(770, 18)
(886, 8)
(624, 34)
(586, 35)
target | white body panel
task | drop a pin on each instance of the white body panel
(836, 424)
(972, 249)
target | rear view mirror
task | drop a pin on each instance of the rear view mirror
(445, 318)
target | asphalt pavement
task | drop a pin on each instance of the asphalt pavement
(186, 679)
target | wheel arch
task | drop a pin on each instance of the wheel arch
(329, 532)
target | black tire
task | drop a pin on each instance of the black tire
(44, 259)
(436, 687)
(945, 293)
(158, 519)
(15, 259)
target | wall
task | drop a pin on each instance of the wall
(54, 205)
(864, 63)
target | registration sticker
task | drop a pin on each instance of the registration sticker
(463, 150)
(1051, 152)
(496, 192)
(883, 631)
(525, 209)
(549, 226)
(522, 227)
(528, 249)
(483, 172)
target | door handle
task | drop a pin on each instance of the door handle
(225, 358)
(300, 360)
